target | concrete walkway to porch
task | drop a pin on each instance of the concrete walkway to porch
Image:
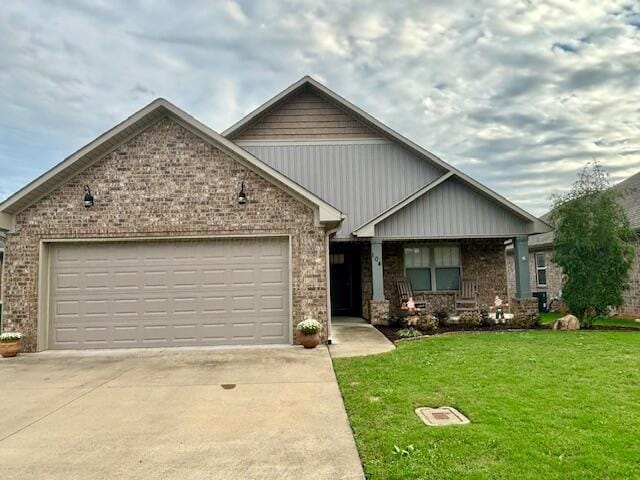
(354, 337)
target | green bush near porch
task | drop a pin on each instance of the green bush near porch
(542, 405)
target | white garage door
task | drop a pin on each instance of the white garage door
(155, 294)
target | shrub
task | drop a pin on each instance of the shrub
(309, 326)
(409, 333)
(441, 314)
(10, 337)
(484, 313)
(427, 323)
(524, 320)
(557, 305)
(593, 243)
(471, 318)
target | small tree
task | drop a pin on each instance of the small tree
(592, 243)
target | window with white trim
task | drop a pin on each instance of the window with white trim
(541, 270)
(433, 267)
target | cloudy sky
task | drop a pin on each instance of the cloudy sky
(518, 94)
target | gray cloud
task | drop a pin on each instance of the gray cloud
(518, 94)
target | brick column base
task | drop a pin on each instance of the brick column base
(525, 312)
(379, 312)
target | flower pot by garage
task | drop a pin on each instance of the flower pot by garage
(10, 349)
(309, 340)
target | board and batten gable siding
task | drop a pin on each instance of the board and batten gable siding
(305, 116)
(452, 210)
(361, 180)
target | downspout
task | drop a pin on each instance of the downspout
(328, 234)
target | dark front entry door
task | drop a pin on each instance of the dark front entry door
(345, 282)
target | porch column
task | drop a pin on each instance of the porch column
(376, 269)
(378, 305)
(521, 259)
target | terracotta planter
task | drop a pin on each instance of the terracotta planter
(309, 340)
(10, 349)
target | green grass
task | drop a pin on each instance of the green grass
(548, 318)
(543, 405)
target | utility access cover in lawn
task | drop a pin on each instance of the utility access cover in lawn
(438, 417)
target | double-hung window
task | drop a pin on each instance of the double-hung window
(417, 268)
(447, 261)
(433, 267)
(541, 270)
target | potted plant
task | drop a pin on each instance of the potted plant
(10, 344)
(309, 333)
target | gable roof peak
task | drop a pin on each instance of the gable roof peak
(388, 132)
(134, 125)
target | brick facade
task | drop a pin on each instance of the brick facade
(365, 279)
(554, 275)
(164, 182)
(631, 298)
(379, 312)
(525, 312)
(631, 305)
(481, 260)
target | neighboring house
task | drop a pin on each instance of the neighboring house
(306, 207)
(2, 239)
(546, 276)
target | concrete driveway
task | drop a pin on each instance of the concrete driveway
(175, 413)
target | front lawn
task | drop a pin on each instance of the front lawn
(549, 318)
(542, 405)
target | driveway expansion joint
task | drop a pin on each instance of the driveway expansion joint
(57, 409)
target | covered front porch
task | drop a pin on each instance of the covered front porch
(365, 275)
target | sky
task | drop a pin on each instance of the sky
(519, 95)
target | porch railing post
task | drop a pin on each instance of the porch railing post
(521, 257)
(376, 269)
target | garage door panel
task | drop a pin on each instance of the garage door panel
(272, 330)
(67, 282)
(243, 277)
(272, 303)
(169, 293)
(96, 335)
(97, 308)
(273, 250)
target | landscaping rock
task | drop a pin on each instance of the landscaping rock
(568, 322)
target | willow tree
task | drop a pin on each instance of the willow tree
(593, 244)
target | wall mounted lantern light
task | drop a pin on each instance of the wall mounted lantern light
(88, 198)
(242, 196)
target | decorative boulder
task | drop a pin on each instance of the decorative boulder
(568, 322)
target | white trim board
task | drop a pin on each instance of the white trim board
(44, 271)
(286, 143)
(368, 229)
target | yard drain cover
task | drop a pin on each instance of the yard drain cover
(437, 417)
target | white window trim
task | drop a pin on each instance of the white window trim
(432, 265)
(538, 268)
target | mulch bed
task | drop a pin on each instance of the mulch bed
(391, 332)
